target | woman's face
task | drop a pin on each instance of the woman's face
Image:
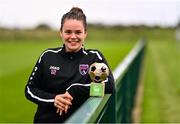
(73, 35)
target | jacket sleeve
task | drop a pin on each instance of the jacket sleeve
(33, 89)
(79, 91)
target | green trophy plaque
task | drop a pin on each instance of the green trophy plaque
(97, 89)
(98, 73)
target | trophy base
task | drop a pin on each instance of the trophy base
(97, 89)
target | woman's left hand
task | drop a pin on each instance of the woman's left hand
(66, 98)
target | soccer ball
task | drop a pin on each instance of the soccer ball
(98, 72)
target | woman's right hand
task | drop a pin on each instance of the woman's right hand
(63, 102)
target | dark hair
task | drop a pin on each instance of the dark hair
(75, 13)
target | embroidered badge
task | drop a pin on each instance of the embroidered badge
(54, 70)
(83, 69)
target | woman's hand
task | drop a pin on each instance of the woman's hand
(63, 102)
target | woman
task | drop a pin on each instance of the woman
(59, 81)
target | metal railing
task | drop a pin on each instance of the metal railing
(115, 108)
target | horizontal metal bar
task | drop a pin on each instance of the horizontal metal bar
(122, 67)
(93, 106)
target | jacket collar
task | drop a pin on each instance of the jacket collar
(72, 55)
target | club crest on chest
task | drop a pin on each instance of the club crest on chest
(83, 69)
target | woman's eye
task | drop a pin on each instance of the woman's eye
(68, 32)
(78, 32)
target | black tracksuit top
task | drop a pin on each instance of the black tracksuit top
(56, 72)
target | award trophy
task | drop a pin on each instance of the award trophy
(98, 73)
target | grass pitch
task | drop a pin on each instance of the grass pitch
(162, 82)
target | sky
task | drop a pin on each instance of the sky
(30, 13)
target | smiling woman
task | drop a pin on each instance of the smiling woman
(59, 82)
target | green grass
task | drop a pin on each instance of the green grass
(162, 82)
(17, 61)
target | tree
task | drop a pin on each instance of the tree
(43, 26)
